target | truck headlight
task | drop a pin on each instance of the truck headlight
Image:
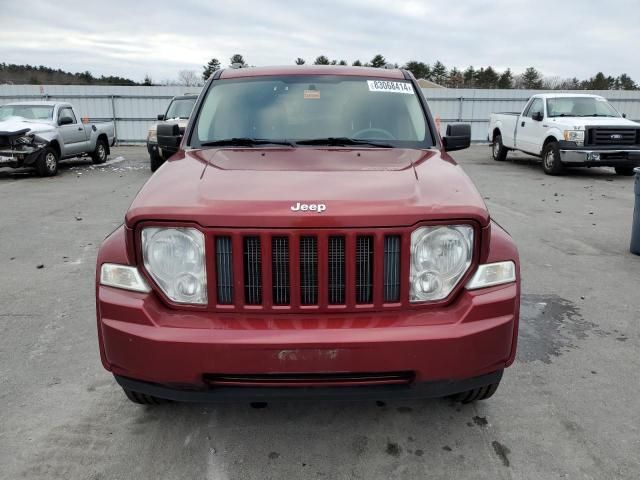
(440, 256)
(152, 136)
(574, 136)
(175, 259)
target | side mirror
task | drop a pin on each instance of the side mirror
(65, 121)
(161, 116)
(458, 137)
(169, 137)
(537, 116)
(624, 115)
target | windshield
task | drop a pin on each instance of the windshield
(28, 112)
(313, 110)
(180, 108)
(580, 107)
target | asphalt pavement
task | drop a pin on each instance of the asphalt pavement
(568, 408)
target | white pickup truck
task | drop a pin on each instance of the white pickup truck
(568, 129)
(40, 134)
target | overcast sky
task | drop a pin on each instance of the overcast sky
(134, 38)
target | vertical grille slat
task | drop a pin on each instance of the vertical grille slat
(392, 268)
(252, 271)
(224, 270)
(336, 282)
(364, 269)
(280, 270)
(308, 270)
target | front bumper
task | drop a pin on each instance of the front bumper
(142, 340)
(598, 156)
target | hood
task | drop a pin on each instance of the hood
(577, 123)
(16, 124)
(236, 187)
(182, 123)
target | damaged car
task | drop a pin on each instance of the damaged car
(40, 134)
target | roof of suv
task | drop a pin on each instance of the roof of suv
(313, 70)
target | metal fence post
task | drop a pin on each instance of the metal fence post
(461, 101)
(113, 115)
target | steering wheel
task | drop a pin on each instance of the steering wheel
(379, 131)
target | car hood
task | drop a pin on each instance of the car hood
(249, 187)
(577, 123)
(16, 124)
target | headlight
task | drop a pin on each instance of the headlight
(492, 274)
(152, 136)
(574, 136)
(122, 276)
(174, 257)
(440, 256)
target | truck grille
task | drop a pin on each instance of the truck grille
(613, 136)
(316, 269)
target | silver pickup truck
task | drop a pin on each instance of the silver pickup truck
(40, 134)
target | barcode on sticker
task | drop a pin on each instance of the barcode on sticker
(390, 86)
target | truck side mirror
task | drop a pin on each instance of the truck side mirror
(161, 116)
(537, 116)
(65, 121)
(458, 137)
(169, 137)
(624, 115)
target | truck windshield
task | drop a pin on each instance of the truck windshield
(28, 112)
(180, 108)
(312, 110)
(580, 107)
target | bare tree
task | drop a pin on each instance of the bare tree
(188, 78)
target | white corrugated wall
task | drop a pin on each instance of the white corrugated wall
(135, 108)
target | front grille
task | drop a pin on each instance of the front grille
(252, 271)
(321, 269)
(613, 136)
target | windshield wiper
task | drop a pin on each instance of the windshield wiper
(342, 141)
(245, 142)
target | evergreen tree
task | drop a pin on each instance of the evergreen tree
(209, 68)
(321, 60)
(237, 58)
(299, 61)
(357, 63)
(419, 69)
(378, 61)
(506, 79)
(439, 73)
(531, 79)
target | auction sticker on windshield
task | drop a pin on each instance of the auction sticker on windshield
(390, 86)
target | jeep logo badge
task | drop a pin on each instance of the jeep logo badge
(308, 207)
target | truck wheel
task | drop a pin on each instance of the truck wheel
(47, 164)
(155, 160)
(551, 163)
(143, 399)
(624, 171)
(100, 154)
(476, 394)
(498, 150)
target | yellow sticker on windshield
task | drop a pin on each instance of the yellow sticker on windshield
(312, 94)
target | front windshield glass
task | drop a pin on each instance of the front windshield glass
(28, 112)
(301, 108)
(180, 108)
(580, 107)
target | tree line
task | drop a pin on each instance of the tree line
(40, 75)
(471, 77)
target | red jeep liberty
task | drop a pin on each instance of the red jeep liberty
(310, 236)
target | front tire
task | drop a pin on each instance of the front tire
(624, 171)
(100, 154)
(551, 163)
(142, 398)
(155, 160)
(47, 164)
(498, 150)
(476, 394)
